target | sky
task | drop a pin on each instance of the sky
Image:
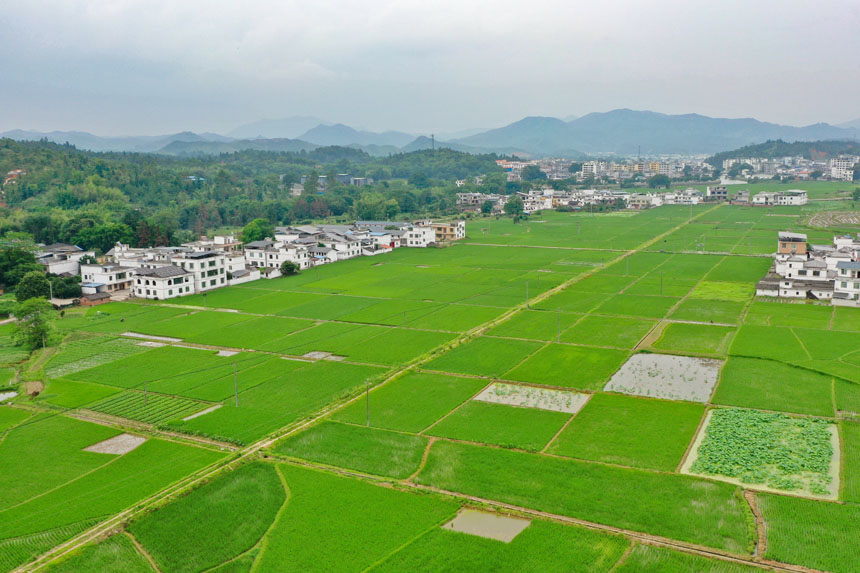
(123, 67)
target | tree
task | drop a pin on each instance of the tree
(15, 262)
(66, 287)
(257, 230)
(515, 207)
(33, 322)
(312, 183)
(816, 174)
(289, 268)
(532, 173)
(575, 167)
(656, 181)
(34, 284)
(855, 196)
(738, 168)
(487, 207)
(104, 237)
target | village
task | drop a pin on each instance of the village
(816, 272)
(160, 273)
(546, 198)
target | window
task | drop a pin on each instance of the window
(170, 292)
(844, 284)
(802, 273)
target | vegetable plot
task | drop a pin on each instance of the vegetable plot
(769, 449)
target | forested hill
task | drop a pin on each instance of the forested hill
(780, 148)
(94, 199)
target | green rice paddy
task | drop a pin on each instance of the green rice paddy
(358, 383)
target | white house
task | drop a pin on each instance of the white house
(108, 277)
(846, 290)
(164, 282)
(61, 258)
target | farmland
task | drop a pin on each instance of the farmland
(557, 372)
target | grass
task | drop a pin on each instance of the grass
(847, 397)
(702, 310)
(147, 407)
(150, 366)
(33, 450)
(109, 489)
(809, 533)
(213, 521)
(850, 461)
(740, 269)
(542, 546)
(70, 394)
(11, 417)
(789, 314)
(650, 559)
(116, 554)
(251, 333)
(602, 432)
(608, 331)
(19, 550)
(412, 402)
(769, 385)
(778, 344)
(501, 425)
(675, 506)
(484, 357)
(279, 400)
(695, 338)
(535, 325)
(369, 450)
(338, 524)
(728, 291)
(88, 352)
(638, 305)
(569, 366)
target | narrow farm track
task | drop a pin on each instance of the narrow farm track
(253, 450)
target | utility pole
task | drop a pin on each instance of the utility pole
(527, 294)
(433, 141)
(236, 383)
(145, 396)
(367, 400)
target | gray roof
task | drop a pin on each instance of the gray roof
(787, 236)
(164, 272)
(259, 244)
(851, 265)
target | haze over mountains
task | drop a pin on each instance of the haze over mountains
(621, 132)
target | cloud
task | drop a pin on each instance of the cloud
(459, 62)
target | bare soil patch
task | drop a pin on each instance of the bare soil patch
(488, 525)
(117, 445)
(7, 395)
(533, 397)
(201, 412)
(228, 352)
(151, 344)
(317, 355)
(151, 337)
(667, 376)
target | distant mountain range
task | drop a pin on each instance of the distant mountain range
(625, 131)
(620, 132)
(286, 128)
(139, 143)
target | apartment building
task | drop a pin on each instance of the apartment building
(162, 283)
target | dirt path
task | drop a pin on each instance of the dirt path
(142, 550)
(761, 529)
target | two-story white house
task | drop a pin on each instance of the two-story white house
(163, 282)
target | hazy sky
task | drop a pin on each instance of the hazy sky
(158, 66)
